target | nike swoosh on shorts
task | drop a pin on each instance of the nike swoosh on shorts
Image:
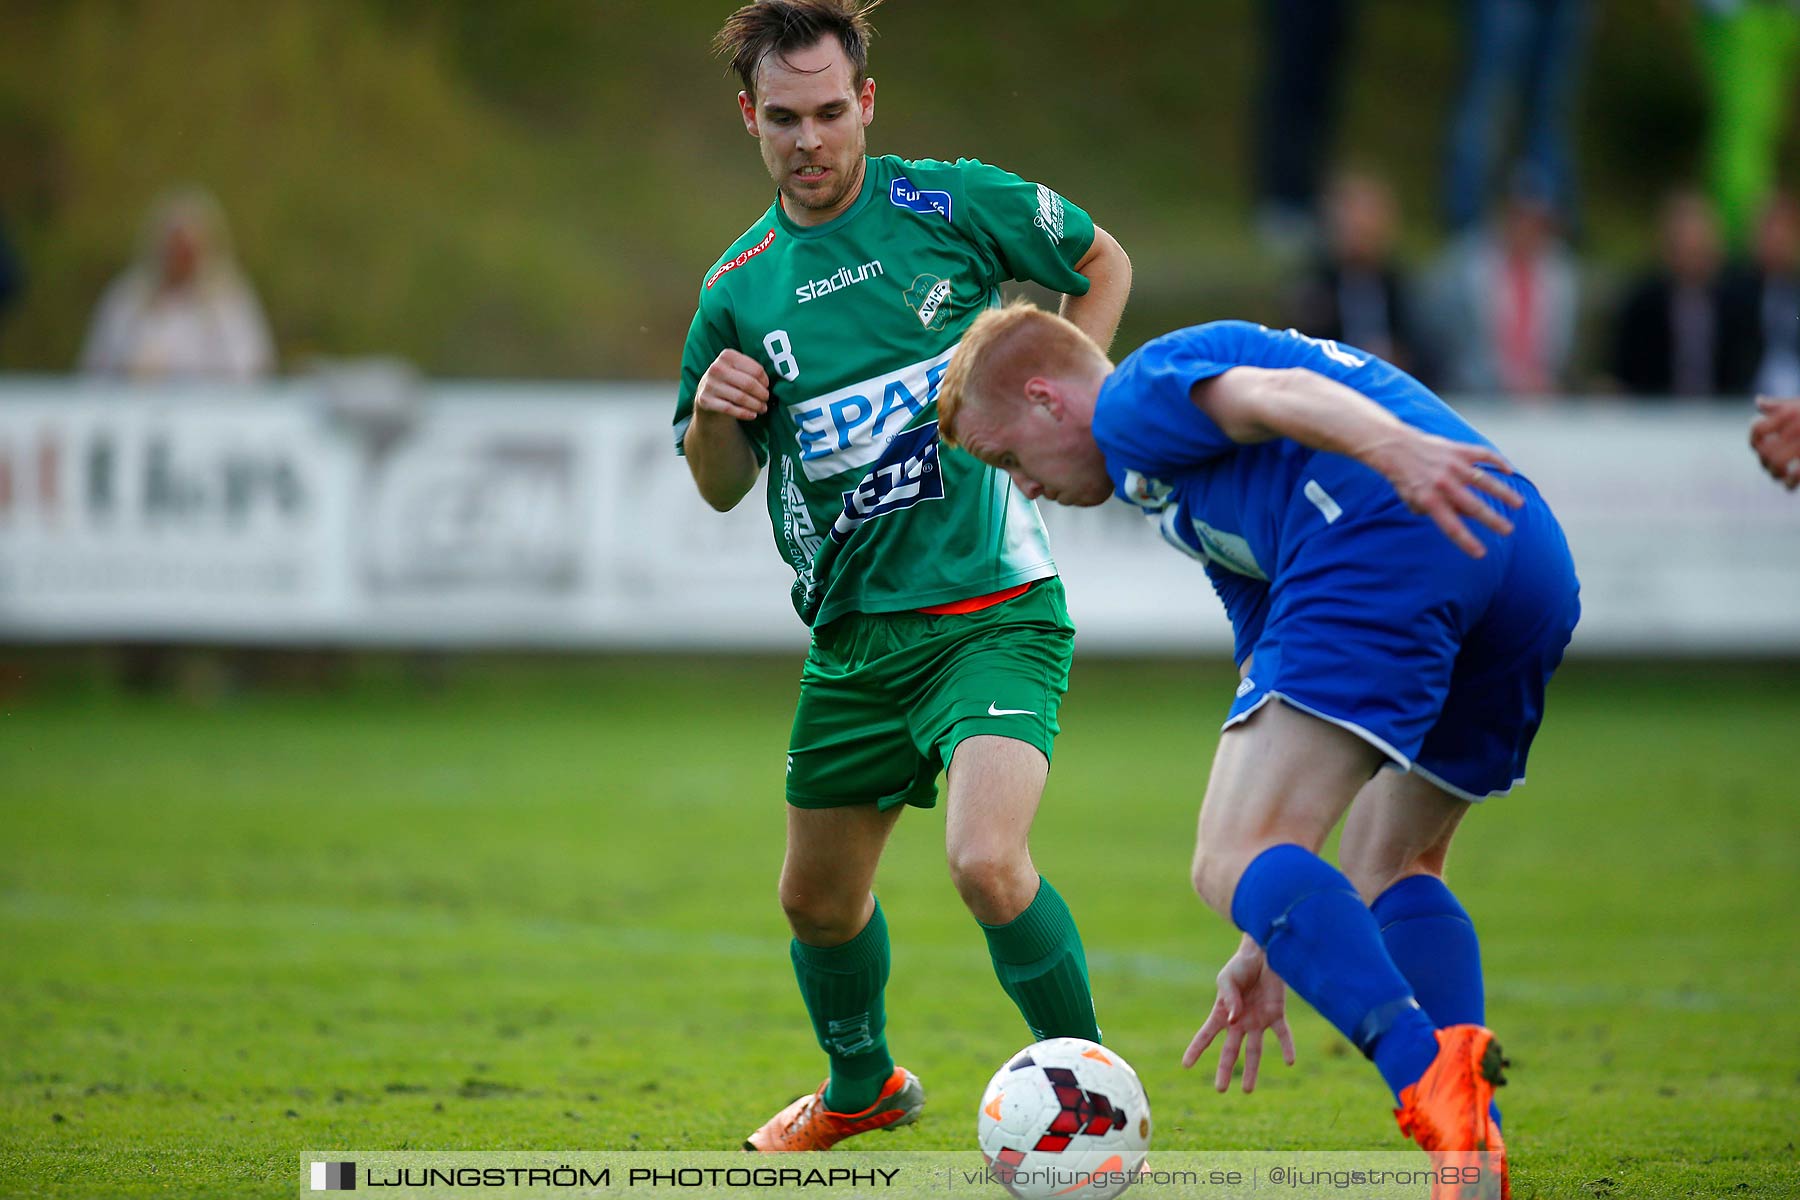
(1010, 712)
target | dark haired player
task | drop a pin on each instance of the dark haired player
(940, 639)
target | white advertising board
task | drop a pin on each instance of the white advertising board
(533, 515)
(172, 514)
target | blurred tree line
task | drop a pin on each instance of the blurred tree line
(536, 189)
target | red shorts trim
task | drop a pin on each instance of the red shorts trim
(976, 603)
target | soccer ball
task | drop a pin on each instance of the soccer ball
(1065, 1117)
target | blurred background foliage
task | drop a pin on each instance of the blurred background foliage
(535, 189)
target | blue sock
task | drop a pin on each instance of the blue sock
(1432, 940)
(1324, 942)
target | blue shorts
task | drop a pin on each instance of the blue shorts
(1379, 624)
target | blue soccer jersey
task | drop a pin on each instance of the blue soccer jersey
(1350, 607)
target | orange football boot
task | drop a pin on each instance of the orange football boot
(807, 1124)
(1448, 1113)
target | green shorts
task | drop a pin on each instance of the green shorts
(885, 698)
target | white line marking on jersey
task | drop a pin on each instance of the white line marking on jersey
(1322, 499)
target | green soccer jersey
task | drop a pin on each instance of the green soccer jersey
(855, 321)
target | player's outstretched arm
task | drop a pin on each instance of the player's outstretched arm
(735, 389)
(1108, 272)
(1434, 476)
(1251, 999)
(1775, 436)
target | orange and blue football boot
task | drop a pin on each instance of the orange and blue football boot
(1448, 1113)
(807, 1124)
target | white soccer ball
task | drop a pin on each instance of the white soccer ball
(1065, 1117)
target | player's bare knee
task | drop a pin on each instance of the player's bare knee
(1218, 863)
(820, 918)
(996, 884)
(1226, 848)
(979, 871)
(1197, 871)
(826, 930)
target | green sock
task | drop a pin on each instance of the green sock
(1039, 960)
(842, 987)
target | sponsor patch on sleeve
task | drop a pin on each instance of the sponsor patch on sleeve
(926, 203)
(1051, 214)
(732, 264)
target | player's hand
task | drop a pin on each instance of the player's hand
(1775, 436)
(1442, 479)
(1251, 999)
(735, 385)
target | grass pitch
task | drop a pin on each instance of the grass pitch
(535, 910)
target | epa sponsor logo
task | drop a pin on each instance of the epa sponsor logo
(902, 194)
(734, 263)
(908, 473)
(846, 429)
(843, 277)
(929, 297)
(1050, 213)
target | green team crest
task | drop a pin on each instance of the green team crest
(929, 297)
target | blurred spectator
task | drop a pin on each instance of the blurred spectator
(1504, 302)
(1761, 306)
(1355, 292)
(1775, 436)
(183, 310)
(1303, 54)
(12, 276)
(1524, 53)
(1669, 339)
(1750, 48)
